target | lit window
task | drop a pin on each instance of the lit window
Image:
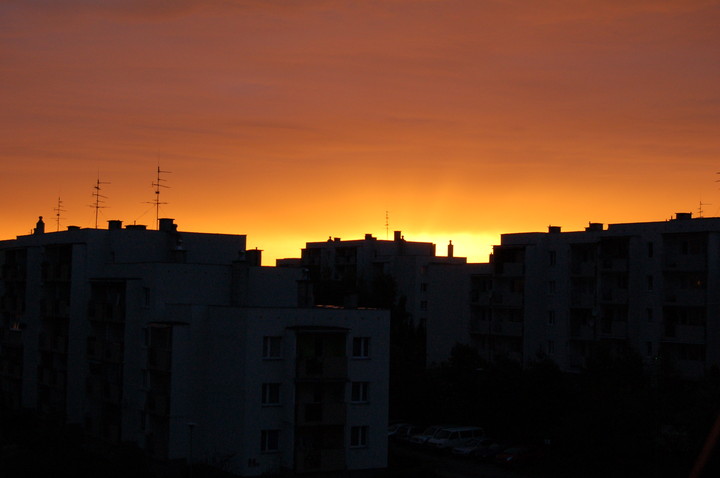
(270, 393)
(359, 392)
(361, 347)
(272, 347)
(269, 441)
(358, 436)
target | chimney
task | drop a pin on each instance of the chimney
(254, 257)
(39, 227)
(114, 224)
(166, 224)
(682, 216)
(594, 226)
(398, 236)
(450, 249)
(553, 229)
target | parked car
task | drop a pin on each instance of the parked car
(471, 446)
(428, 433)
(449, 437)
(520, 455)
(405, 432)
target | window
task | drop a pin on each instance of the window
(423, 305)
(361, 347)
(550, 347)
(270, 393)
(649, 314)
(358, 436)
(650, 282)
(552, 257)
(423, 287)
(551, 287)
(272, 347)
(269, 441)
(359, 392)
(551, 317)
(650, 249)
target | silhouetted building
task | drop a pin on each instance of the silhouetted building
(651, 287)
(426, 291)
(182, 344)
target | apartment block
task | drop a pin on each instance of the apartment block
(431, 291)
(182, 344)
(653, 287)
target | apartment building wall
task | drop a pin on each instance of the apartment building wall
(117, 330)
(653, 287)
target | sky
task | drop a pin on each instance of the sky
(292, 121)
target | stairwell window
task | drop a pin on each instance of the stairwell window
(359, 437)
(359, 392)
(270, 394)
(361, 347)
(272, 347)
(269, 441)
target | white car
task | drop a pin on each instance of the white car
(428, 433)
(448, 438)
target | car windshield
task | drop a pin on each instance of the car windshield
(442, 434)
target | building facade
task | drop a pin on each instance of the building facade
(653, 287)
(182, 344)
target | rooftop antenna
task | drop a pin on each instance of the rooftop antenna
(157, 184)
(387, 226)
(700, 207)
(98, 198)
(58, 209)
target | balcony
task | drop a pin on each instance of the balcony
(614, 295)
(686, 334)
(159, 360)
(13, 273)
(614, 264)
(56, 308)
(686, 296)
(614, 330)
(686, 262)
(104, 311)
(53, 343)
(158, 403)
(319, 460)
(325, 368)
(583, 269)
(511, 329)
(322, 413)
(56, 272)
(511, 269)
(507, 299)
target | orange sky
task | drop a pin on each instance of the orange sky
(292, 121)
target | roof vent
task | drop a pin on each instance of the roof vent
(114, 224)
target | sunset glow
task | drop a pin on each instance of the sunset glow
(292, 121)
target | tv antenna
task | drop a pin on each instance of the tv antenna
(387, 225)
(58, 209)
(157, 184)
(98, 199)
(700, 207)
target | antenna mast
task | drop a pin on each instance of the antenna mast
(98, 199)
(157, 185)
(58, 209)
(387, 225)
(700, 208)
